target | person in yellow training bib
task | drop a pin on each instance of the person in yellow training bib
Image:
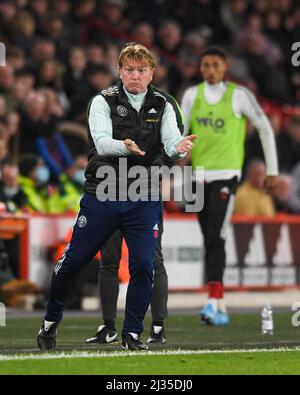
(216, 111)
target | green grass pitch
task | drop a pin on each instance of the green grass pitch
(192, 348)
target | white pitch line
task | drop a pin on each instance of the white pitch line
(84, 354)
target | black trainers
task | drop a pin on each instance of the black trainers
(157, 335)
(132, 342)
(46, 339)
(103, 336)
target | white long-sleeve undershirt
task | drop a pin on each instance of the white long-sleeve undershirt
(243, 103)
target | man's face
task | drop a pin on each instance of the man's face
(136, 76)
(10, 175)
(213, 69)
(256, 175)
(100, 80)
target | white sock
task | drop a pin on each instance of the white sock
(134, 335)
(48, 324)
(222, 305)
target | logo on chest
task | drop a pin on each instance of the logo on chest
(152, 116)
(122, 110)
(217, 124)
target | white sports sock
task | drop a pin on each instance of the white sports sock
(134, 335)
(48, 324)
(222, 305)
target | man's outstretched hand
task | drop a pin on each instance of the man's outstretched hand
(186, 144)
(133, 148)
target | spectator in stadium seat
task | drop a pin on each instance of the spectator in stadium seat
(8, 12)
(53, 27)
(110, 16)
(287, 142)
(289, 145)
(233, 14)
(143, 32)
(50, 198)
(287, 197)
(98, 77)
(11, 193)
(62, 8)
(113, 117)
(33, 178)
(24, 83)
(7, 81)
(39, 133)
(276, 31)
(83, 9)
(251, 198)
(3, 153)
(13, 126)
(203, 13)
(262, 71)
(216, 111)
(38, 9)
(254, 30)
(15, 56)
(238, 69)
(49, 75)
(112, 12)
(3, 109)
(192, 46)
(95, 54)
(162, 76)
(111, 59)
(43, 49)
(169, 37)
(70, 186)
(188, 75)
(24, 27)
(73, 79)
(283, 193)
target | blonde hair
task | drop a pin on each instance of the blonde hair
(24, 23)
(138, 53)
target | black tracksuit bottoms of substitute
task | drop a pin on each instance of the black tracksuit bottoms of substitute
(95, 223)
(214, 219)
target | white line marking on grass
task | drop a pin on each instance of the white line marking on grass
(84, 354)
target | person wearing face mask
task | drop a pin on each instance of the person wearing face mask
(79, 177)
(11, 194)
(69, 188)
(33, 178)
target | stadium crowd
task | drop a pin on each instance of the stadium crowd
(60, 53)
